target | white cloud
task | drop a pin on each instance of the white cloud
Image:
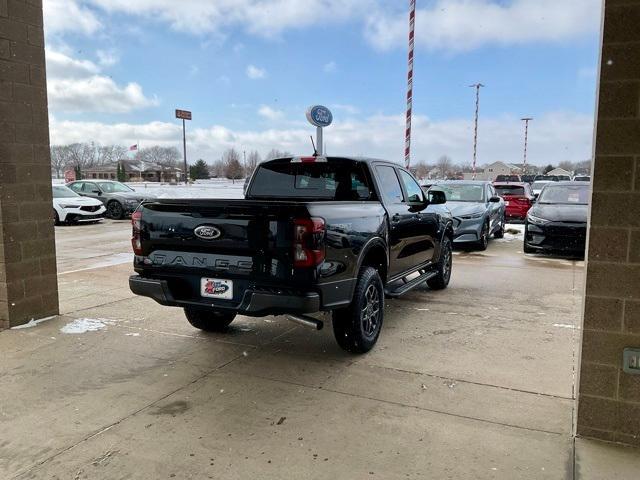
(330, 67)
(68, 16)
(462, 25)
(260, 17)
(77, 86)
(255, 73)
(107, 58)
(553, 137)
(270, 113)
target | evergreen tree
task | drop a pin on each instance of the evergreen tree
(120, 173)
(199, 170)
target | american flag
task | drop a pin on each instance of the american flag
(133, 148)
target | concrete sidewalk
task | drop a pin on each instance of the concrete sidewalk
(474, 382)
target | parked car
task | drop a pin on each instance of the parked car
(557, 222)
(537, 186)
(528, 179)
(119, 199)
(582, 178)
(508, 178)
(69, 207)
(478, 212)
(314, 234)
(547, 178)
(518, 198)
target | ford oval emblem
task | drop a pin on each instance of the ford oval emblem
(319, 116)
(207, 232)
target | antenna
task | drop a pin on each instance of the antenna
(315, 152)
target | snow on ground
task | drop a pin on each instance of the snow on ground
(512, 231)
(83, 325)
(214, 188)
(32, 323)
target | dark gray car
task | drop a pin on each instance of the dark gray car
(119, 199)
(478, 212)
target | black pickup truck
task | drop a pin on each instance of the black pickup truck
(313, 234)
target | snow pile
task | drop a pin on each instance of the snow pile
(83, 325)
(32, 323)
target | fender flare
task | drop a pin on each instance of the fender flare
(372, 243)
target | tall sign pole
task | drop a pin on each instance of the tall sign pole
(184, 115)
(526, 139)
(477, 86)
(407, 133)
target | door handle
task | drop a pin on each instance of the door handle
(396, 218)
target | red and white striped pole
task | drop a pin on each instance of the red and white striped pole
(407, 134)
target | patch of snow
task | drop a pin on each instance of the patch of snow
(512, 231)
(33, 323)
(214, 188)
(132, 334)
(564, 325)
(83, 325)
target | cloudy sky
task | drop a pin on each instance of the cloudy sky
(248, 69)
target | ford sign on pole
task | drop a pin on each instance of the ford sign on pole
(320, 117)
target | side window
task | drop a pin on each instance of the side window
(76, 187)
(389, 184)
(87, 187)
(414, 192)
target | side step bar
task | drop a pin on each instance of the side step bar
(408, 285)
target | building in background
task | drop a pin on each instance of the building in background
(491, 171)
(134, 171)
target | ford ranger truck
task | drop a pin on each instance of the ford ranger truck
(313, 234)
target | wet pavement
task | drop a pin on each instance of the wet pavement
(473, 382)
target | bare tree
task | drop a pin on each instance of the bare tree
(217, 168)
(81, 155)
(59, 160)
(274, 153)
(567, 165)
(421, 170)
(253, 159)
(109, 153)
(232, 166)
(444, 164)
(165, 156)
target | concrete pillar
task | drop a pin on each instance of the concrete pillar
(609, 398)
(28, 281)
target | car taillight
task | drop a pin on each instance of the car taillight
(308, 242)
(136, 224)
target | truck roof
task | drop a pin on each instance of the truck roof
(342, 158)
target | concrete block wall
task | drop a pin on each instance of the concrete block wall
(28, 282)
(609, 399)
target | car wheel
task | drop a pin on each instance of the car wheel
(483, 243)
(56, 218)
(500, 232)
(441, 280)
(115, 210)
(358, 326)
(207, 319)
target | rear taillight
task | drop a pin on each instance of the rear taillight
(136, 239)
(308, 242)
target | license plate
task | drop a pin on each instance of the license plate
(506, 204)
(216, 288)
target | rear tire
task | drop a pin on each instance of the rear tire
(358, 326)
(441, 280)
(208, 320)
(483, 243)
(56, 218)
(500, 232)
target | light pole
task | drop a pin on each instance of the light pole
(526, 121)
(477, 86)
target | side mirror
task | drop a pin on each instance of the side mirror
(494, 199)
(437, 197)
(97, 192)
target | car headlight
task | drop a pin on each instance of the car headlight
(537, 220)
(131, 202)
(472, 216)
(69, 206)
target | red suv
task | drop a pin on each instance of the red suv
(518, 198)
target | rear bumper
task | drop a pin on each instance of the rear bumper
(253, 303)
